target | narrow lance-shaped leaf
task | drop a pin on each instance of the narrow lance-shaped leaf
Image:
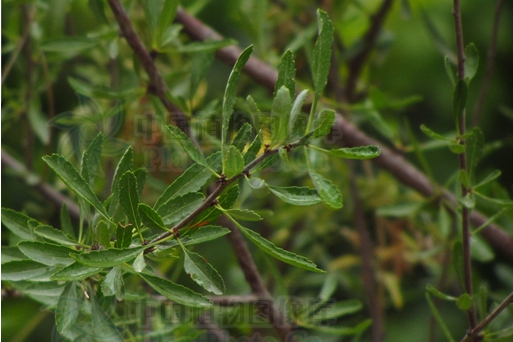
(68, 309)
(286, 73)
(125, 164)
(17, 223)
(91, 159)
(471, 61)
(230, 95)
(108, 257)
(75, 271)
(202, 272)
(474, 145)
(253, 149)
(179, 207)
(360, 152)
(22, 270)
(280, 115)
(243, 214)
(296, 111)
(321, 58)
(242, 137)
(66, 225)
(177, 293)
(47, 254)
(323, 123)
(459, 101)
(113, 284)
(337, 310)
(329, 193)
(301, 196)
(103, 328)
(70, 176)
(276, 252)
(129, 198)
(233, 163)
(150, 218)
(185, 142)
(256, 115)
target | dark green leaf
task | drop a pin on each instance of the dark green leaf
(255, 113)
(464, 178)
(233, 163)
(187, 145)
(129, 198)
(204, 234)
(166, 18)
(71, 45)
(457, 259)
(475, 144)
(141, 174)
(103, 329)
(202, 272)
(125, 164)
(471, 61)
(360, 152)
(75, 271)
(66, 225)
(460, 100)
(280, 115)
(150, 218)
(201, 63)
(296, 111)
(296, 195)
(70, 176)
(253, 149)
(206, 46)
(176, 293)
(47, 254)
(179, 207)
(68, 309)
(22, 270)
(113, 284)
(277, 252)
(337, 310)
(242, 138)
(17, 223)
(230, 94)
(108, 257)
(123, 236)
(432, 134)
(286, 74)
(449, 69)
(322, 124)
(243, 214)
(438, 318)
(329, 193)
(102, 232)
(491, 177)
(321, 56)
(12, 253)
(55, 235)
(226, 200)
(90, 164)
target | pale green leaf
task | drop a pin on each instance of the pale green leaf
(336, 310)
(233, 163)
(71, 45)
(243, 214)
(258, 186)
(12, 253)
(68, 309)
(280, 114)
(113, 284)
(360, 152)
(129, 198)
(17, 223)
(329, 193)
(179, 207)
(296, 111)
(471, 61)
(323, 122)
(301, 196)
(139, 263)
(286, 74)
(206, 46)
(90, 164)
(176, 293)
(202, 272)
(108, 257)
(242, 138)
(46, 253)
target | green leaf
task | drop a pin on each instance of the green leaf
(301, 196)
(255, 113)
(399, 210)
(329, 193)
(323, 123)
(70, 176)
(108, 257)
(101, 233)
(449, 69)
(141, 174)
(460, 100)
(457, 259)
(321, 56)
(464, 302)
(123, 236)
(206, 46)
(66, 225)
(286, 74)
(226, 200)
(12, 253)
(296, 111)
(277, 252)
(253, 149)
(125, 164)
(71, 45)
(431, 289)
(337, 310)
(280, 115)
(341, 330)
(491, 177)
(360, 152)
(139, 263)
(187, 145)
(432, 134)
(456, 148)
(166, 17)
(68, 309)
(129, 198)
(103, 329)
(204, 234)
(328, 287)
(75, 271)
(179, 207)
(22, 270)
(177, 293)
(233, 163)
(91, 159)
(201, 63)
(202, 272)
(190, 180)
(47, 254)
(150, 218)
(242, 138)
(243, 214)
(230, 95)
(113, 284)
(468, 201)
(480, 250)
(258, 186)
(474, 144)
(464, 178)
(17, 223)
(444, 222)
(471, 61)
(438, 318)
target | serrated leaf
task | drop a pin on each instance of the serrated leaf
(253, 149)
(321, 55)
(150, 218)
(243, 214)
(139, 263)
(68, 309)
(474, 144)
(102, 327)
(280, 115)
(141, 174)
(125, 164)
(254, 112)
(323, 123)
(179, 207)
(17, 223)
(360, 152)
(258, 186)
(471, 61)
(75, 271)
(286, 74)
(185, 142)
(277, 252)
(22, 270)
(108, 257)
(301, 196)
(230, 95)
(329, 193)
(296, 111)
(204, 234)
(123, 236)
(242, 137)
(233, 163)
(91, 159)
(47, 254)
(459, 100)
(70, 176)
(12, 253)
(202, 272)
(129, 198)
(113, 284)
(176, 293)
(337, 310)
(66, 225)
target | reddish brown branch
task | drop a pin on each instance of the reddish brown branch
(391, 161)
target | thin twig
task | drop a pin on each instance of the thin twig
(490, 64)
(489, 318)
(465, 212)
(357, 62)
(157, 84)
(391, 161)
